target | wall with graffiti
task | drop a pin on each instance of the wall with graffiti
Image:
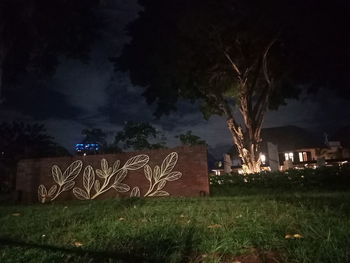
(180, 171)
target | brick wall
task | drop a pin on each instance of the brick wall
(191, 162)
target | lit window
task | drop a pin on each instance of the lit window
(289, 156)
(302, 156)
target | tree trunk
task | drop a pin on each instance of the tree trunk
(247, 146)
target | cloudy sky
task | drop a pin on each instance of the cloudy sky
(93, 95)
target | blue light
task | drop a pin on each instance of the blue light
(87, 147)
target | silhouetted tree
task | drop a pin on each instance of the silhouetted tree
(139, 136)
(94, 136)
(190, 139)
(20, 141)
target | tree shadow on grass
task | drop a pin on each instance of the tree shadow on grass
(150, 248)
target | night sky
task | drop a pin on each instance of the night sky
(92, 95)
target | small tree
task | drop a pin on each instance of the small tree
(19, 141)
(190, 139)
(139, 136)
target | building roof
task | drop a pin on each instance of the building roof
(290, 138)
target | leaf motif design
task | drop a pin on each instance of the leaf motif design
(169, 163)
(104, 165)
(52, 190)
(88, 178)
(100, 173)
(156, 173)
(72, 171)
(116, 166)
(121, 187)
(135, 192)
(97, 185)
(136, 162)
(42, 193)
(161, 184)
(120, 176)
(173, 176)
(80, 193)
(57, 175)
(160, 193)
(68, 186)
(109, 171)
(148, 172)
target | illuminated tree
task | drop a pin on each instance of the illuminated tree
(237, 59)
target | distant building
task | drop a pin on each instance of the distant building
(87, 148)
(293, 147)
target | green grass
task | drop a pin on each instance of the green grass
(242, 227)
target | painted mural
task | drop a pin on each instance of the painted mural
(110, 178)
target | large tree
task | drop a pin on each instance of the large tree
(234, 57)
(35, 33)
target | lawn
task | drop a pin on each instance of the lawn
(259, 226)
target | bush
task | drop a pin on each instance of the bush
(327, 178)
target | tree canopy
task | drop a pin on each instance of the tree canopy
(190, 139)
(233, 54)
(35, 33)
(139, 136)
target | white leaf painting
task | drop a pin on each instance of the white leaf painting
(161, 175)
(160, 193)
(169, 163)
(156, 173)
(110, 177)
(80, 193)
(88, 178)
(135, 192)
(42, 193)
(104, 165)
(120, 176)
(72, 171)
(161, 184)
(173, 176)
(52, 190)
(148, 172)
(121, 187)
(57, 175)
(68, 186)
(97, 185)
(136, 162)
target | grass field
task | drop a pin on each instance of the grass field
(258, 226)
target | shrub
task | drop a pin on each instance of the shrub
(328, 178)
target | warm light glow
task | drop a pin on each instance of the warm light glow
(262, 158)
(302, 156)
(289, 156)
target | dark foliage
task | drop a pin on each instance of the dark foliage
(35, 33)
(20, 141)
(139, 136)
(324, 178)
